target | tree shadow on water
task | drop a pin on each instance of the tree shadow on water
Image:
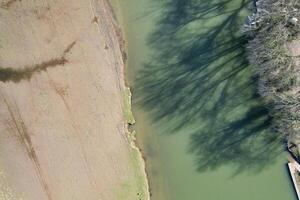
(199, 77)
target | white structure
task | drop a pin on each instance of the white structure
(294, 169)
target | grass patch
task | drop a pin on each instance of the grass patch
(127, 106)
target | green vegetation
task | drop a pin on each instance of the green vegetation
(136, 186)
(127, 106)
(272, 28)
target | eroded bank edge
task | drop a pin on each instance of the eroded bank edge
(138, 158)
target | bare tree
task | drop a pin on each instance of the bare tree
(273, 24)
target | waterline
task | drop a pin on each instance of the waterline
(202, 128)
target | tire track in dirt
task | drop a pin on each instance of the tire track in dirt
(26, 141)
(61, 93)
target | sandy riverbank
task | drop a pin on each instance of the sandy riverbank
(63, 134)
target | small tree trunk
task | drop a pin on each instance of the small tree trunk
(255, 5)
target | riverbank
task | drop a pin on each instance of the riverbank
(193, 94)
(274, 50)
(128, 114)
(63, 104)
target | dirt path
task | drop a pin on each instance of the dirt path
(62, 133)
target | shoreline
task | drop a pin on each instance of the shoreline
(63, 96)
(129, 119)
(258, 42)
(131, 34)
(274, 50)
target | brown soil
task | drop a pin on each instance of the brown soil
(62, 134)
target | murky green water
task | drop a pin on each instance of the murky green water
(204, 131)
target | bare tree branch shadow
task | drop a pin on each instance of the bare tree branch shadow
(199, 77)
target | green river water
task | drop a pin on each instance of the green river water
(202, 128)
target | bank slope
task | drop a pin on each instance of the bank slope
(62, 130)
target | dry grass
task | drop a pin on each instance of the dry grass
(276, 66)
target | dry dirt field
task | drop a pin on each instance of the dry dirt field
(62, 131)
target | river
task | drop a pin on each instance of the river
(204, 131)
